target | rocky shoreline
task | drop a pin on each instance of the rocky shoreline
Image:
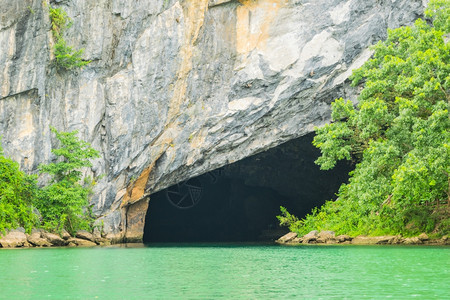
(17, 238)
(329, 238)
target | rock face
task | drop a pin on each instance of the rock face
(13, 239)
(178, 88)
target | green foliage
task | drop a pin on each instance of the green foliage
(75, 154)
(16, 191)
(66, 57)
(31, 10)
(64, 203)
(286, 219)
(400, 135)
(60, 21)
(439, 10)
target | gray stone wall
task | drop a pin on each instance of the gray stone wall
(178, 88)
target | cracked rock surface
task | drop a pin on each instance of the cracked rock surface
(178, 88)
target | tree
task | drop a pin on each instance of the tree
(64, 203)
(399, 134)
(16, 191)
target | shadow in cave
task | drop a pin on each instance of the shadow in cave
(240, 201)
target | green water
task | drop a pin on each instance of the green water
(225, 272)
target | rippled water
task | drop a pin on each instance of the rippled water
(225, 272)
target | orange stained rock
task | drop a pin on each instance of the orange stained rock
(137, 189)
(135, 221)
(253, 21)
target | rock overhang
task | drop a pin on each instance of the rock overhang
(179, 88)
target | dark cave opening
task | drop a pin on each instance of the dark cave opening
(240, 202)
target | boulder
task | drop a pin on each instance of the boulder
(327, 237)
(65, 235)
(36, 239)
(363, 240)
(297, 240)
(287, 237)
(388, 239)
(72, 242)
(85, 235)
(54, 239)
(102, 241)
(311, 237)
(412, 241)
(423, 237)
(343, 238)
(397, 240)
(373, 240)
(14, 238)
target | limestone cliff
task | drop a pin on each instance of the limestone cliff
(178, 88)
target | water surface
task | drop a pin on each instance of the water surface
(225, 271)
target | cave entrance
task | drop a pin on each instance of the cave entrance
(239, 202)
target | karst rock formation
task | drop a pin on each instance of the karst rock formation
(177, 88)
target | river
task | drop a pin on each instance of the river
(225, 271)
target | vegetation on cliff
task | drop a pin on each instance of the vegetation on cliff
(399, 134)
(62, 204)
(66, 57)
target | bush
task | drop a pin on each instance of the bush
(66, 57)
(16, 193)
